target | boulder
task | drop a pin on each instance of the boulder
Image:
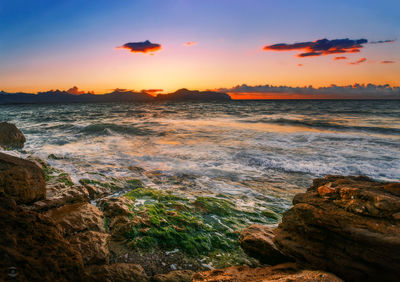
(21, 179)
(92, 245)
(282, 272)
(257, 242)
(32, 248)
(115, 206)
(174, 276)
(118, 272)
(77, 217)
(346, 225)
(10, 136)
(58, 195)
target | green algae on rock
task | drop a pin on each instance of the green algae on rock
(204, 226)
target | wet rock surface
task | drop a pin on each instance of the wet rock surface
(118, 272)
(345, 225)
(78, 217)
(257, 242)
(282, 272)
(21, 179)
(10, 136)
(92, 245)
(32, 244)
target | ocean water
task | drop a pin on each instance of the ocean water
(248, 150)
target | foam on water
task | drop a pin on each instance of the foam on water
(269, 150)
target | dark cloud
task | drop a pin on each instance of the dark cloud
(388, 62)
(362, 60)
(340, 58)
(382, 41)
(333, 91)
(75, 91)
(320, 47)
(141, 47)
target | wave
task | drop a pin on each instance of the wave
(322, 124)
(112, 129)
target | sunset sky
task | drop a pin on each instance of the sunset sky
(204, 44)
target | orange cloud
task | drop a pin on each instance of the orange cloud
(362, 60)
(152, 91)
(141, 47)
(388, 62)
(190, 43)
(340, 58)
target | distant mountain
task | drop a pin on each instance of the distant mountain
(189, 95)
(58, 96)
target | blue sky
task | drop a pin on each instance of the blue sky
(43, 38)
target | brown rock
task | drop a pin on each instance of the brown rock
(78, 218)
(21, 179)
(174, 276)
(11, 136)
(92, 245)
(115, 206)
(352, 232)
(256, 241)
(118, 272)
(58, 195)
(282, 272)
(32, 244)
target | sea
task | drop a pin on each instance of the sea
(251, 151)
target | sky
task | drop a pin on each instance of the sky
(197, 44)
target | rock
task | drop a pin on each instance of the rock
(119, 226)
(118, 272)
(353, 230)
(11, 136)
(78, 217)
(58, 195)
(256, 241)
(174, 276)
(281, 272)
(92, 245)
(21, 179)
(115, 206)
(31, 244)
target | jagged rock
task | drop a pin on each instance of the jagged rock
(118, 272)
(78, 217)
(92, 245)
(345, 225)
(58, 195)
(115, 206)
(10, 136)
(256, 241)
(21, 179)
(174, 276)
(31, 244)
(282, 272)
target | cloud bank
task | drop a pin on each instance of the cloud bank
(141, 47)
(355, 91)
(323, 47)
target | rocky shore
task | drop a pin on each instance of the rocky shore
(341, 228)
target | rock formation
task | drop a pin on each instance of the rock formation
(32, 248)
(282, 272)
(21, 179)
(10, 136)
(257, 242)
(346, 225)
